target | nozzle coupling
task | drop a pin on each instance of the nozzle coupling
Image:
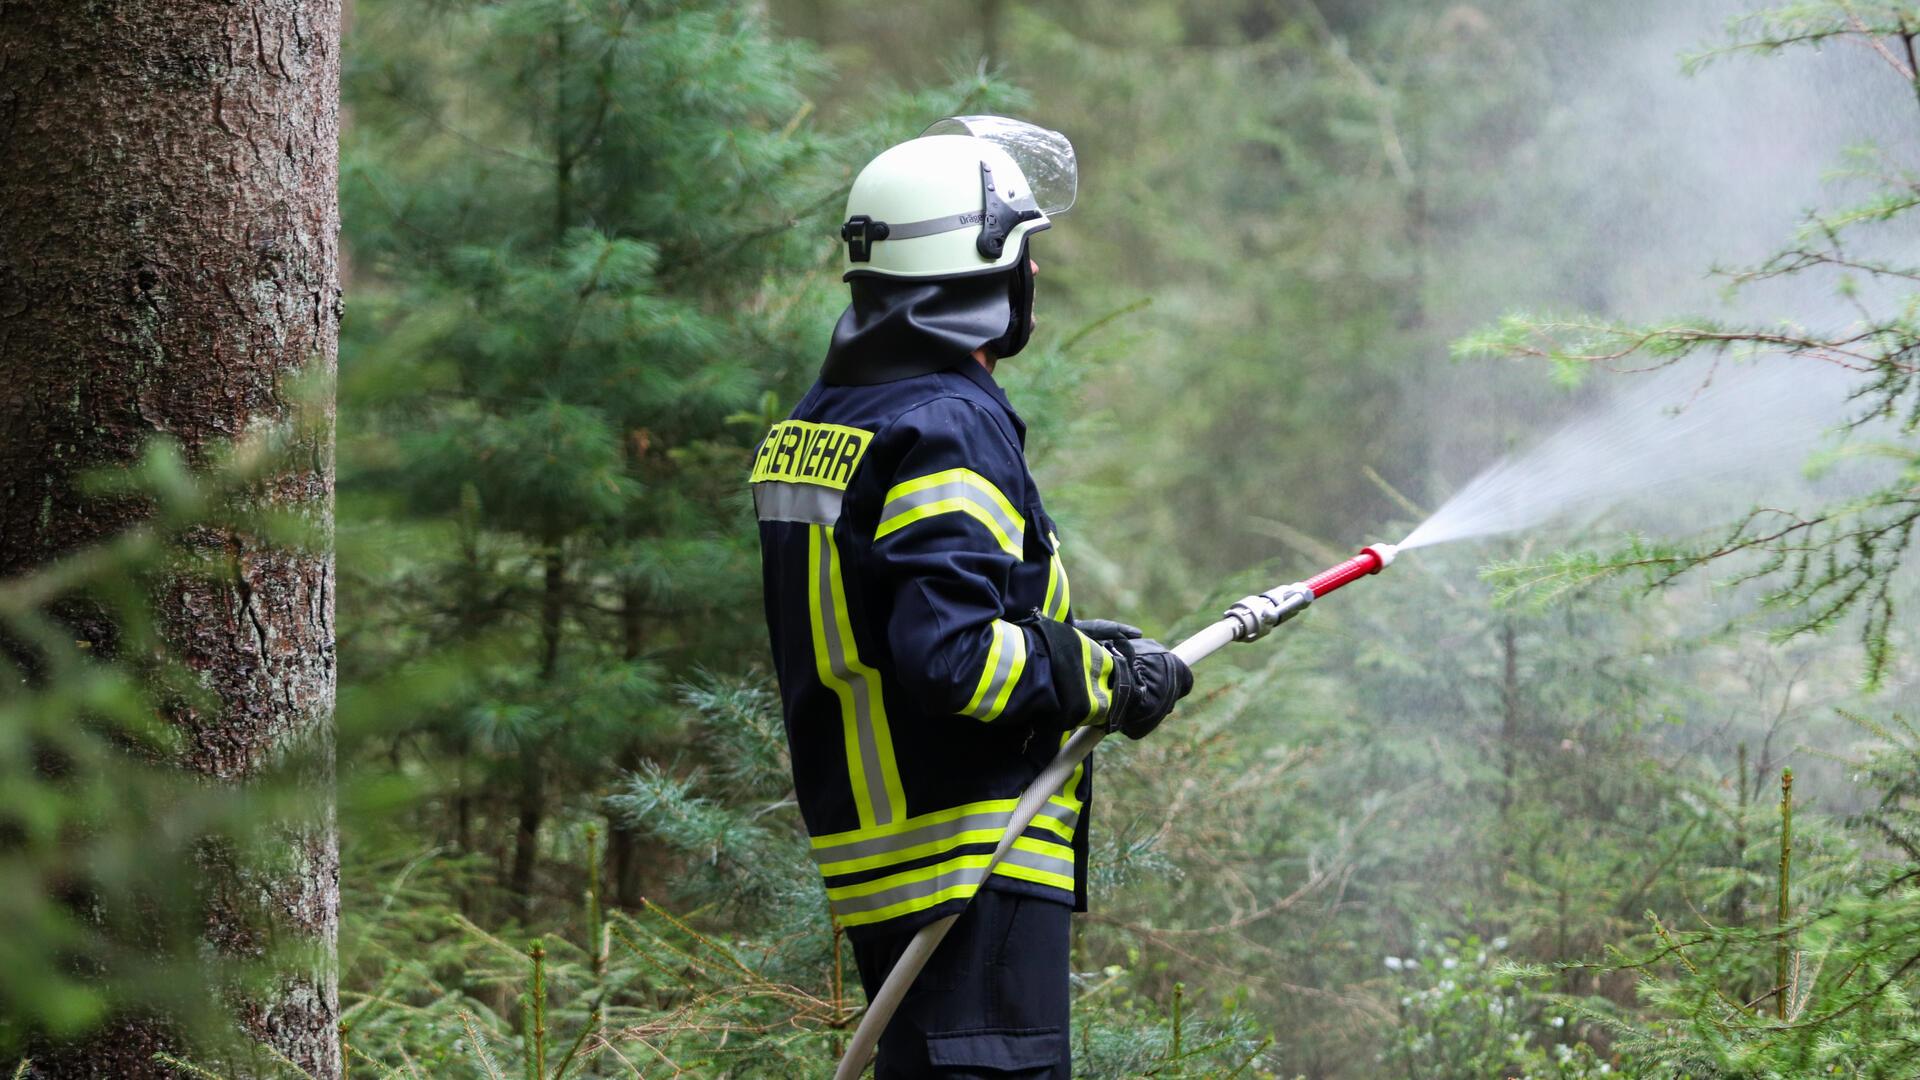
(1255, 616)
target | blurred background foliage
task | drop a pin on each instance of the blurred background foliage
(590, 255)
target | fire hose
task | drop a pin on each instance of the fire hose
(1249, 619)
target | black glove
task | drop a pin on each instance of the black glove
(1147, 679)
(1106, 629)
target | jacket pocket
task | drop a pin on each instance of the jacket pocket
(997, 1052)
(1043, 554)
(1040, 532)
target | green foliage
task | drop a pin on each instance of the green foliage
(105, 842)
(586, 239)
(1771, 29)
(592, 258)
(1467, 1012)
(1120, 1033)
(731, 826)
(767, 997)
(1828, 564)
(446, 998)
(1846, 1004)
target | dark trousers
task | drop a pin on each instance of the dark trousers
(991, 1003)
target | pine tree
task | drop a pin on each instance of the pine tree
(589, 235)
(169, 272)
(1824, 563)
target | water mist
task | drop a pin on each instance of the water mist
(1665, 442)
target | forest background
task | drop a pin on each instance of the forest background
(1507, 811)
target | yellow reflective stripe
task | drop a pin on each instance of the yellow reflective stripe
(1068, 806)
(1063, 829)
(1017, 641)
(907, 907)
(1104, 684)
(1059, 816)
(912, 824)
(960, 491)
(1043, 847)
(987, 671)
(1058, 587)
(1066, 797)
(1006, 660)
(931, 847)
(1027, 873)
(824, 668)
(922, 888)
(1059, 828)
(976, 823)
(882, 732)
(1011, 867)
(1087, 649)
(934, 870)
(877, 793)
(961, 505)
(956, 476)
(908, 877)
(1099, 675)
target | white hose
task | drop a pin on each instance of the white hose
(866, 1037)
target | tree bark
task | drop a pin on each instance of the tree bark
(532, 796)
(533, 788)
(1509, 738)
(623, 842)
(168, 265)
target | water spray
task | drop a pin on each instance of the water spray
(1249, 619)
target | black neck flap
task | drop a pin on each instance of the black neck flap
(898, 328)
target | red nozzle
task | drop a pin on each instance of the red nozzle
(1371, 560)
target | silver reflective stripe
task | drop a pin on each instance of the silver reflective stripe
(912, 890)
(965, 875)
(957, 489)
(778, 500)
(1097, 661)
(1033, 860)
(1012, 643)
(913, 230)
(927, 834)
(1058, 587)
(881, 845)
(1061, 814)
(858, 681)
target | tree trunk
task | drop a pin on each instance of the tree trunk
(1509, 739)
(526, 840)
(532, 793)
(623, 842)
(168, 263)
(990, 32)
(1737, 896)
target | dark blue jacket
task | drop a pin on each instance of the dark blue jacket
(922, 635)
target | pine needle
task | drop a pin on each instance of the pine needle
(277, 1055)
(480, 1048)
(387, 1072)
(187, 1067)
(586, 1030)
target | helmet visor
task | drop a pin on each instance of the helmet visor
(1045, 157)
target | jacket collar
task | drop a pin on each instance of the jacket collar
(977, 372)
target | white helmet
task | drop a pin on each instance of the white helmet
(957, 201)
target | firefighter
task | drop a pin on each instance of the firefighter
(929, 659)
